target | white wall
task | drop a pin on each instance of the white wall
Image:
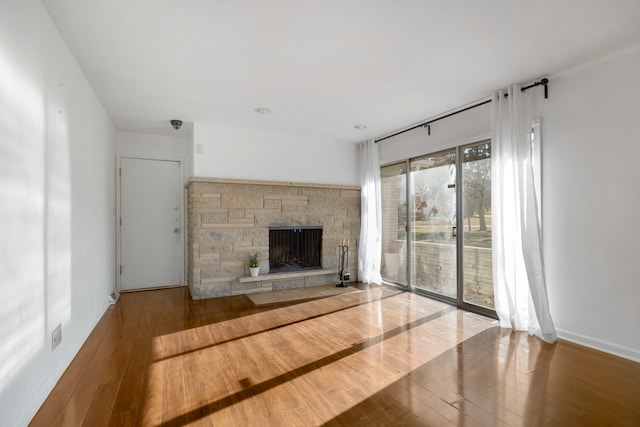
(57, 233)
(591, 196)
(226, 152)
(463, 128)
(591, 188)
(151, 146)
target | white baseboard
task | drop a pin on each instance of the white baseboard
(607, 347)
(38, 398)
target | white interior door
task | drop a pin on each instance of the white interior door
(150, 223)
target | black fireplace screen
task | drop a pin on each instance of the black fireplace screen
(294, 248)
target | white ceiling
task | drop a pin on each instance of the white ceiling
(322, 67)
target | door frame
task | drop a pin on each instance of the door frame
(119, 214)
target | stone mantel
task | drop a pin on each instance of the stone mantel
(229, 219)
(290, 275)
(272, 183)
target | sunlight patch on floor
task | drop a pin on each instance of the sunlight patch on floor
(245, 367)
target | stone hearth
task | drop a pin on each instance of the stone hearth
(228, 220)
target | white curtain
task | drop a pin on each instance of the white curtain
(370, 244)
(518, 268)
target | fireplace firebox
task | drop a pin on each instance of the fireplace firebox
(295, 248)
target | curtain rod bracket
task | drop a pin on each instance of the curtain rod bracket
(543, 82)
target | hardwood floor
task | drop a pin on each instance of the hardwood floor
(380, 357)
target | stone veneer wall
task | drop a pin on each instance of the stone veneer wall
(228, 220)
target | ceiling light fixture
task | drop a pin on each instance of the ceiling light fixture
(360, 127)
(262, 110)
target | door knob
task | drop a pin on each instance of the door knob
(176, 230)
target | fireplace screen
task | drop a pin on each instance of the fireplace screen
(294, 248)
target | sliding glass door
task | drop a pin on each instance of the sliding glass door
(436, 225)
(477, 276)
(394, 223)
(432, 184)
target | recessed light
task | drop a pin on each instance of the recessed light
(360, 127)
(262, 110)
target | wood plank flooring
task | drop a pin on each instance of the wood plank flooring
(381, 357)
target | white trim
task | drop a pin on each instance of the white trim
(605, 346)
(536, 158)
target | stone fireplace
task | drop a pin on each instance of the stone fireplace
(230, 220)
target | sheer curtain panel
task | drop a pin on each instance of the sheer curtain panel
(518, 266)
(370, 244)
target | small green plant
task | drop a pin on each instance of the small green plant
(253, 261)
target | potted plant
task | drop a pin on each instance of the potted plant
(254, 265)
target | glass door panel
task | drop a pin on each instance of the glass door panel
(432, 184)
(476, 233)
(394, 223)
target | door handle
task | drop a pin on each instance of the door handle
(453, 231)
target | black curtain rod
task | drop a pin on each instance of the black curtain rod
(543, 82)
(427, 124)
